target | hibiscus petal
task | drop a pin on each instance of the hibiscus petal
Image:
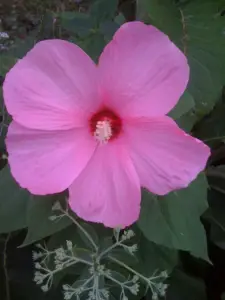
(108, 190)
(46, 162)
(52, 87)
(142, 72)
(165, 157)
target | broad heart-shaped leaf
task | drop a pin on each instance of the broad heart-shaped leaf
(197, 27)
(39, 225)
(183, 112)
(124, 256)
(184, 105)
(155, 257)
(13, 203)
(97, 232)
(174, 220)
(93, 45)
(185, 287)
(187, 121)
(69, 233)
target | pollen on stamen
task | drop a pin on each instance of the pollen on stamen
(105, 125)
(103, 131)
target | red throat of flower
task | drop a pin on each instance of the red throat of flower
(105, 125)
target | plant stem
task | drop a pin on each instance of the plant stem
(123, 285)
(81, 229)
(69, 265)
(109, 249)
(130, 269)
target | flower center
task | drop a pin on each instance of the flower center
(105, 125)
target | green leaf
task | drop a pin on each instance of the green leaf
(118, 276)
(187, 121)
(13, 203)
(197, 27)
(124, 256)
(102, 10)
(155, 257)
(20, 47)
(108, 29)
(69, 233)
(77, 23)
(85, 275)
(183, 112)
(185, 287)
(185, 104)
(6, 63)
(93, 45)
(39, 225)
(174, 220)
(105, 243)
(83, 253)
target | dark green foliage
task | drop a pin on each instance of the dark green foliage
(183, 232)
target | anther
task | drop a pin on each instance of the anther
(103, 131)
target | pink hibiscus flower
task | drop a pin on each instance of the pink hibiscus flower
(101, 131)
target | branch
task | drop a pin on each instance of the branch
(81, 228)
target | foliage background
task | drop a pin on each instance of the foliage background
(184, 232)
